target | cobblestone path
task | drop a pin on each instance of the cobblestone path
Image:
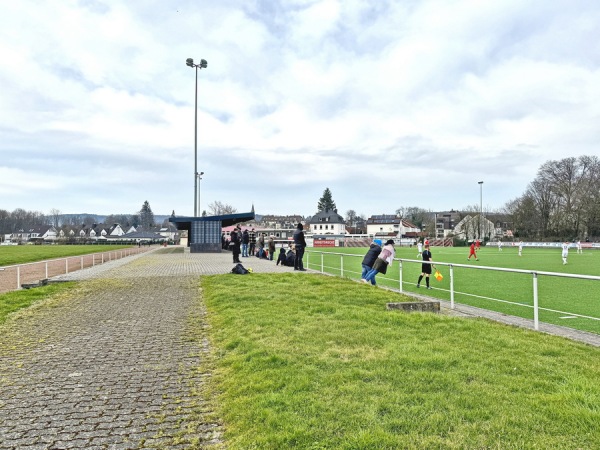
(114, 364)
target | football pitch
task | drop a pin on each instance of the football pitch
(570, 302)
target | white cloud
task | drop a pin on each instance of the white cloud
(297, 96)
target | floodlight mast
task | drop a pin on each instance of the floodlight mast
(203, 64)
(480, 206)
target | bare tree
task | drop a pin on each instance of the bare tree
(218, 208)
(55, 217)
(351, 217)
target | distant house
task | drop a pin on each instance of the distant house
(46, 233)
(390, 225)
(115, 230)
(327, 221)
(168, 231)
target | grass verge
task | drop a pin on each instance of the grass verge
(309, 361)
(12, 302)
(22, 254)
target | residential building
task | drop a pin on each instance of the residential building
(327, 221)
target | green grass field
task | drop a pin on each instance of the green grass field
(569, 302)
(21, 254)
(314, 362)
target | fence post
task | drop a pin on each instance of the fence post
(451, 286)
(46, 269)
(66, 265)
(536, 322)
(342, 265)
(400, 274)
(18, 277)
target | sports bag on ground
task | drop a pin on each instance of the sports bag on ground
(239, 269)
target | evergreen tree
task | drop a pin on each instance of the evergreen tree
(146, 216)
(326, 201)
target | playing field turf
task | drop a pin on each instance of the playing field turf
(563, 301)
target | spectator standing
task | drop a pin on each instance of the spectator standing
(382, 262)
(260, 244)
(245, 242)
(369, 260)
(300, 245)
(252, 243)
(271, 245)
(236, 242)
(425, 268)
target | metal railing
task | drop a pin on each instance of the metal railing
(14, 276)
(320, 265)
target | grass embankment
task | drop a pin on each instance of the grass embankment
(21, 254)
(12, 302)
(563, 301)
(309, 361)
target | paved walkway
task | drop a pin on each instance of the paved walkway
(115, 364)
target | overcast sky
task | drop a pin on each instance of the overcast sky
(386, 103)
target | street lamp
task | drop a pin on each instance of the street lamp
(199, 176)
(480, 205)
(190, 63)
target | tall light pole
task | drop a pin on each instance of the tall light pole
(480, 205)
(190, 62)
(199, 180)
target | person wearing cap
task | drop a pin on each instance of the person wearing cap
(383, 261)
(300, 245)
(369, 259)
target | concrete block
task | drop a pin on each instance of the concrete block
(425, 306)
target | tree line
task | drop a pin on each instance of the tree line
(20, 219)
(562, 202)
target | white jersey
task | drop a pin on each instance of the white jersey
(420, 247)
(565, 249)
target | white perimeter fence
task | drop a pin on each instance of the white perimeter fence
(316, 261)
(12, 277)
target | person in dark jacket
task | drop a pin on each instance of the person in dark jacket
(290, 258)
(300, 244)
(252, 243)
(235, 241)
(245, 242)
(369, 259)
(281, 257)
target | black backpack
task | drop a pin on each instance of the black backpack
(239, 269)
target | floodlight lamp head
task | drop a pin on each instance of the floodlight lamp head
(203, 63)
(189, 62)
